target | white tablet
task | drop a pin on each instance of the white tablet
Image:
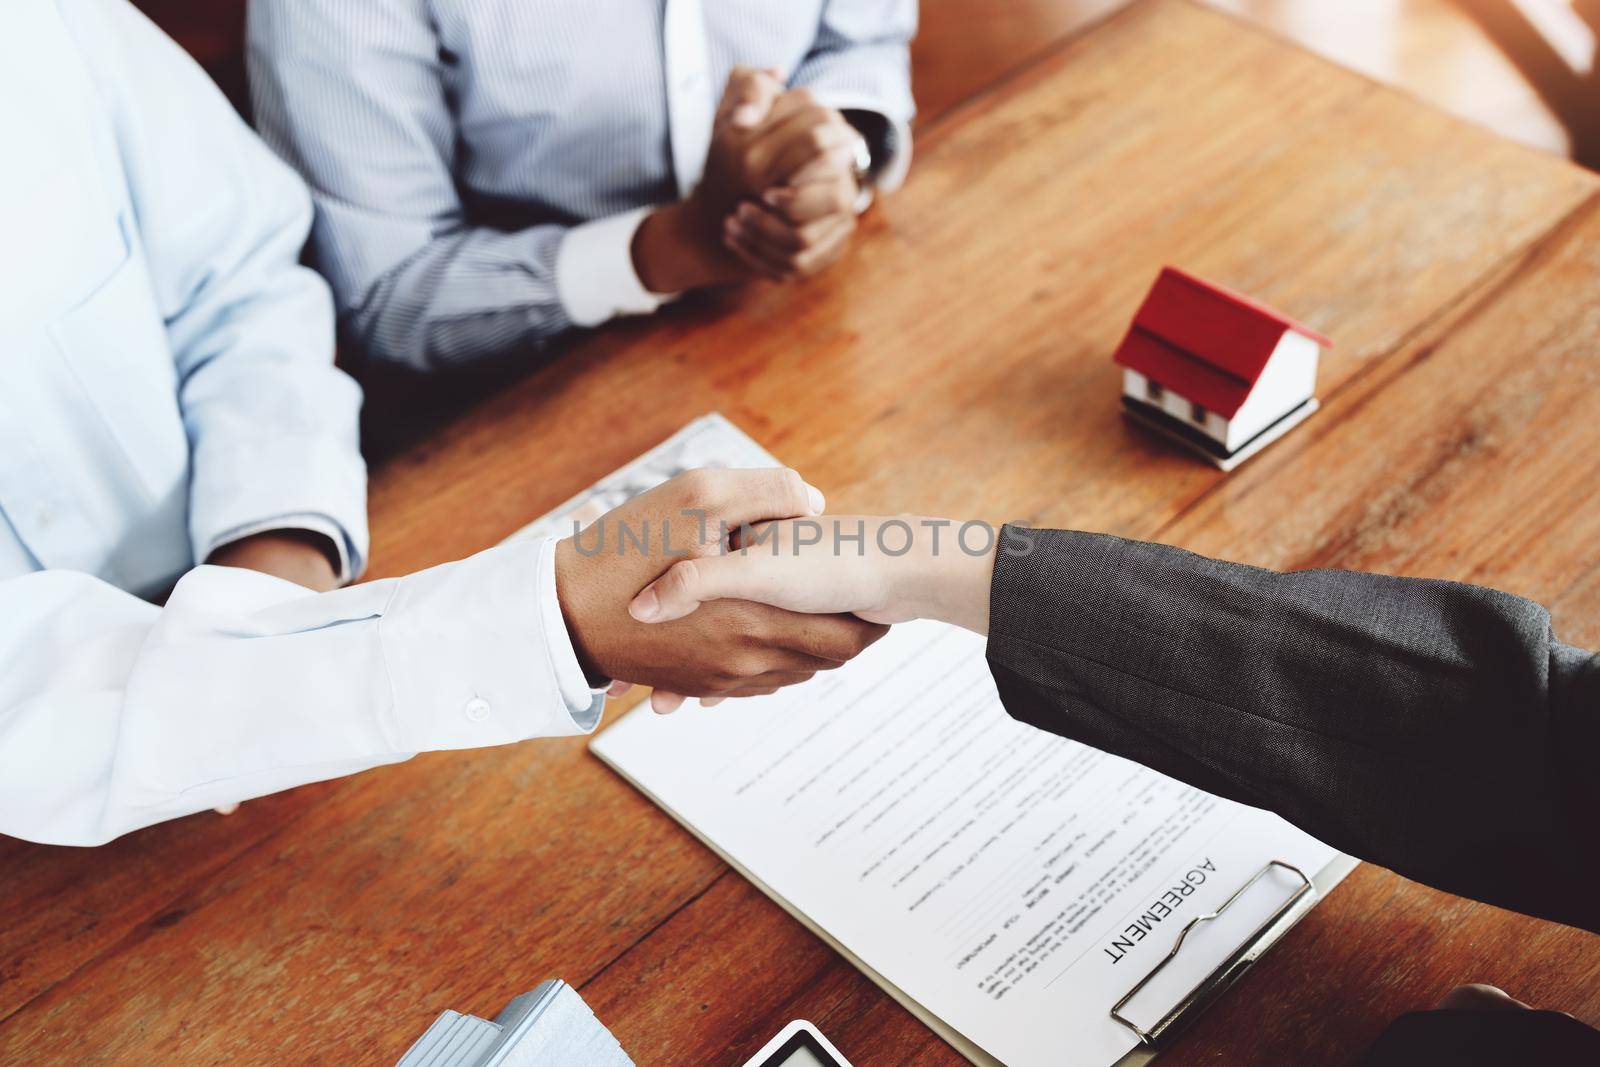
(798, 1045)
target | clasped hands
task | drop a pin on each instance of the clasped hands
(666, 590)
(777, 198)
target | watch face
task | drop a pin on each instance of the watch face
(863, 161)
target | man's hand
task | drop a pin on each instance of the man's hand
(729, 649)
(776, 199)
(801, 213)
(882, 570)
(298, 556)
(798, 142)
(780, 250)
(679, 247)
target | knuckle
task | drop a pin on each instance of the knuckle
(695, 485)
(788, 491)
(804, 96)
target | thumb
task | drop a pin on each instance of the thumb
(749, 97)
(686, 586)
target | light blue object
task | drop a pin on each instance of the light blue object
(549, 1027)
(167, 381)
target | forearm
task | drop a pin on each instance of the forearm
(473, 297)
(950, 585)
(481, 296)
(273, 436)
(678, 248)
(243, 686)
(273, 445)
(1431, 727)
(862, 52)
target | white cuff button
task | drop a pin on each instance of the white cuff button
(477, 709)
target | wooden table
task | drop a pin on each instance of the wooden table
(957, 363)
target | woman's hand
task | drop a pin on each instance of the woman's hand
(883, 570)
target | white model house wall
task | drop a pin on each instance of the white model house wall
(1137, 386)
(1288, 380)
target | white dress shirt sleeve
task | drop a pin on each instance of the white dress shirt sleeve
(272, 424)
(595, 276)
(115, 714)
(861, 61)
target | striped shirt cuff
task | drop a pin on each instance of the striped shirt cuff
(595, 279)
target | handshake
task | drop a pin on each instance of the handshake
(776, 200)
(729, 583)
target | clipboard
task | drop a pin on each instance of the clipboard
(713, 441)
(1192, 1006)
(1158, 1035)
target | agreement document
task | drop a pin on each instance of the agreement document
(1007, 885)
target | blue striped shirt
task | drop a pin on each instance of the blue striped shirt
(465, 155)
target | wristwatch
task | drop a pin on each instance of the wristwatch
(863, 161)
(863, 173)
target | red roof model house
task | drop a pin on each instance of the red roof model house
(1217, 371)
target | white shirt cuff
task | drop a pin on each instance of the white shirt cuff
(472, 657)
(585, 703)
(595, 278)
(316, 524)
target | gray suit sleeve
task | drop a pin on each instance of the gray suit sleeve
(1434, 728)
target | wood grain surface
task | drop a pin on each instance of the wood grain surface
(958, 362)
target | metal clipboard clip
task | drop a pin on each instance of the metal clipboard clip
(1229, 970)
